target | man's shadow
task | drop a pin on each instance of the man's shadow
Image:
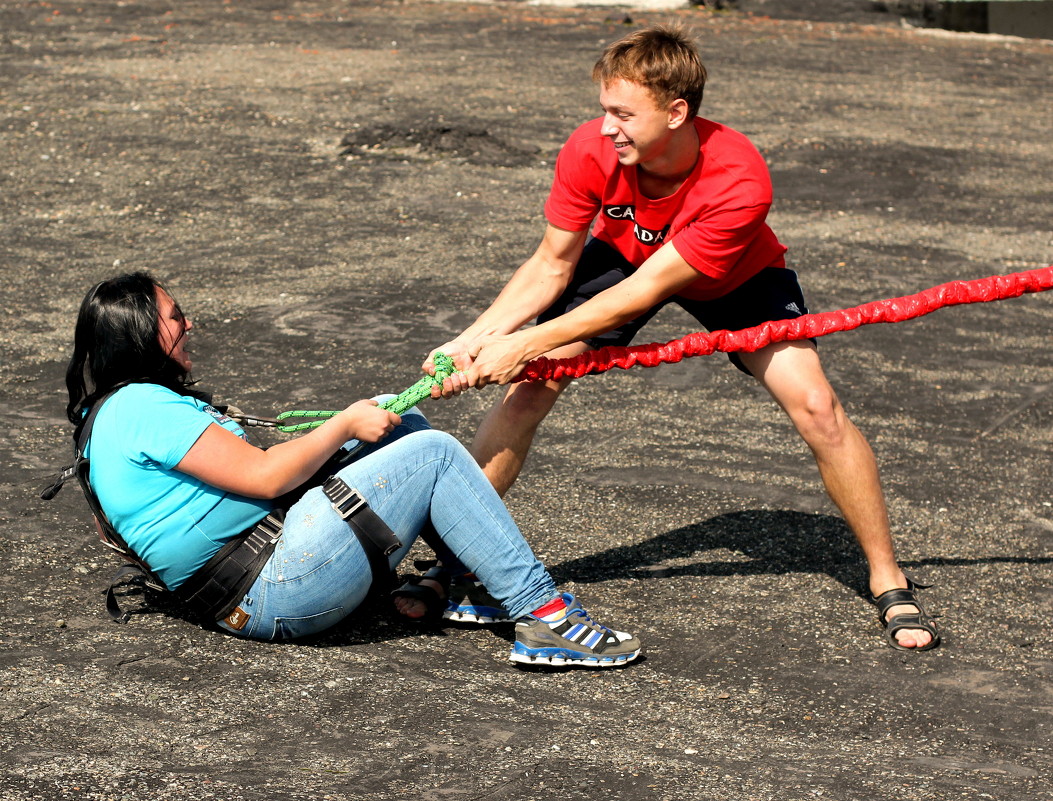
(771, 541)
(760, 542)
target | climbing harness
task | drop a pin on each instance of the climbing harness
(808, 326)
(400, 404)
(214, 590)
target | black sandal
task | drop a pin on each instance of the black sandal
(909, 620)
(434, 603)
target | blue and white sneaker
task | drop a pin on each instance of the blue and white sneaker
(469, 602)
(572, 639)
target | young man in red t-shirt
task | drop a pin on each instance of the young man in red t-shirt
(677, 207)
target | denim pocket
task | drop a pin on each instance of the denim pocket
(288, 628)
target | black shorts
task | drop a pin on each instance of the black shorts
(772, 294)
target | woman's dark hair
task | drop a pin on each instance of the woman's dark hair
(116, 342)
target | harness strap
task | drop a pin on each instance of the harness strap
(217, 587)
(52, 490)
(377, 540)
(126, 572)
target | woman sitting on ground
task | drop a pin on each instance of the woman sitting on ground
(177, 480)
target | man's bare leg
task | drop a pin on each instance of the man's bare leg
(504, 437)
(791, 372)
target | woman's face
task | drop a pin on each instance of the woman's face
(172, 328)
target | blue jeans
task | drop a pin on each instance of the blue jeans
(319, 573)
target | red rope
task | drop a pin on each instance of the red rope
(894, 310)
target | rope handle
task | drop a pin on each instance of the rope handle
(400, 404)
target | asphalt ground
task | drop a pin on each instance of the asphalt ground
(333, 188)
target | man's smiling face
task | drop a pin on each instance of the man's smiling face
(639, 130)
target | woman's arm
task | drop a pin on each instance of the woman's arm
(224, 460)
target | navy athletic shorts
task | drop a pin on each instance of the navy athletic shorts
(772, 294)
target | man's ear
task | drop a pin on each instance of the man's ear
(679, 113)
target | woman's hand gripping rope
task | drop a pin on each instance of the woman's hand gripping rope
(400, 404)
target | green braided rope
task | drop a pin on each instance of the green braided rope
(323, 416)
(400, 404)
(409, 398)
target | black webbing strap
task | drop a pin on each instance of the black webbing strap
(79, 445)
(129, 572)
(217, 587)
(378, 541)
(50, 491)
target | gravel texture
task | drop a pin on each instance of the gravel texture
(332, 188)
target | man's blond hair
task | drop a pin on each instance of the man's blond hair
(663, 59)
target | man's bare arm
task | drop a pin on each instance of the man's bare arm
(497, 359)
(531, 289)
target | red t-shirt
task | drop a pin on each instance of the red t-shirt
(716, 219)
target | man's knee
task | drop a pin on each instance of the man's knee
(819, 416)
(527, 404)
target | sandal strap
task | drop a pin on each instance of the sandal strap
(899, 595)
(914, 585)
(910, 620)
(439, 574)
(434, 602)
(895, 597)
(412, 588)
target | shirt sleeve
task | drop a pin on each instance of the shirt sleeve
(164, 444)
(572, 202)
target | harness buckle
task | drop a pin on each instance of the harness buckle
(376, 538)
(346, 500)
(271, 527)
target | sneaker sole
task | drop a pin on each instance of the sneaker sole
(464, 616)
(560, 658)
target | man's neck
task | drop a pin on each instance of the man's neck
(664, 176)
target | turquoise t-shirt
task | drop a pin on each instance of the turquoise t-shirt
(173, 521)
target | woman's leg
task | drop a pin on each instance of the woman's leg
(319, 573)
(430, 476)
(472, 520)
(412, 420)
